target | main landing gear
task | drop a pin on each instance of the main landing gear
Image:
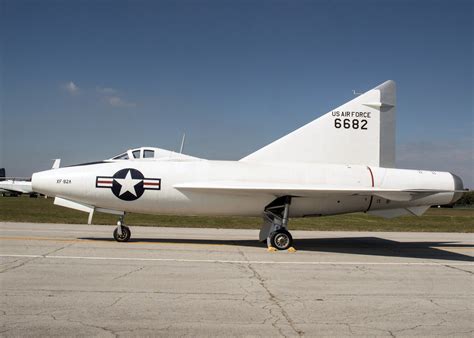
(275, 225)
(274, 230)
(280, 239)
(122, 232)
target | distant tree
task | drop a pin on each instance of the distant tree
(466, 199)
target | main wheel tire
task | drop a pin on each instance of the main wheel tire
(125, 236)
(281, 239)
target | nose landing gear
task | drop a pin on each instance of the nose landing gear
(122, 232)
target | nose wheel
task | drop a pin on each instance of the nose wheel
(122, 232)
(124, 236)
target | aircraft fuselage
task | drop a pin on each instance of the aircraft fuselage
(153, 187)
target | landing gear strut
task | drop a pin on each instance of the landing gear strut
(122, 232)
(275, 224)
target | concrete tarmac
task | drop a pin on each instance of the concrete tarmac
(75, 280)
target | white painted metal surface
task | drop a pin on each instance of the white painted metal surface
(18, 186)
(361, 131)
(236, 188)
(339, 163)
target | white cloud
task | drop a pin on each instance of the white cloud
(117, 101)
(107, 94)
(71, 87)
(106, 90)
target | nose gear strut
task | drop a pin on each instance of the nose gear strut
(122, 233)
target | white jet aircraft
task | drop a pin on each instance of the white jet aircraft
(342, 162)
(14, 185)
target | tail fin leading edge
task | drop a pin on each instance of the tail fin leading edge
(361, 131)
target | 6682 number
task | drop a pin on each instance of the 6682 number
(348, 124)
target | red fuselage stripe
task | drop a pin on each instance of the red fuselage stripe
(371, 176)
(371, 196)
(104, 182)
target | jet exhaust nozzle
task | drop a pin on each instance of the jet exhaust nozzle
(458, 185)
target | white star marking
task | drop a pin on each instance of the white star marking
(128, 184)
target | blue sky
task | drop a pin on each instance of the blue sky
(84, 80)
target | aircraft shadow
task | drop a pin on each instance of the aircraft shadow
(372, 246)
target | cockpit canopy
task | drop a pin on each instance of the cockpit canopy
(150, 153)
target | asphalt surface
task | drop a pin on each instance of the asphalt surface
(63, 280)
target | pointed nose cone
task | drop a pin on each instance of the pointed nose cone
(458, 185)
(44, 182)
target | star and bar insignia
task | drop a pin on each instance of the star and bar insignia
(128, 184)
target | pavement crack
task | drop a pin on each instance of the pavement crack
(435, 303)
(115, 302)
(18, 265)
(140, 268)
(113, 333)
(349, 327)
(12, 262)
(57, 250)
(406, 329)
(459, 269)
(32, 259)
(274, 302)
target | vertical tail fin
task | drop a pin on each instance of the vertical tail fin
(2, 174)
(361, 131)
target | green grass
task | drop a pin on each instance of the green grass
(41, 210)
